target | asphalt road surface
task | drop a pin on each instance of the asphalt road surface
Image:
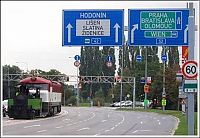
(93, 121)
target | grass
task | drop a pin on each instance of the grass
(85, 104)
(182, 126)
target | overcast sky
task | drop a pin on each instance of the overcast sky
(31, 32)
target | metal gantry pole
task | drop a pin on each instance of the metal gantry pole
(8, 83)
(163, 93)
(145, 95)
(191, 42)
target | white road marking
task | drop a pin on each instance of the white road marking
(139, 131)
(31, 126)
(83, 129)
(159, 123)
(141, 122)
(107, 130)
(66, 119)
(103, 120)
(59, 127)
(41, 131)
(108, 115)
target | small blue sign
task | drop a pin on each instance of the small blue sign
(164, 58)
(77, 57)
(163, 27)
(109, 58)
(93, 27)
(142, 80)
(139, 58)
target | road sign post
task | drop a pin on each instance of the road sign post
(93, 27)
(152, 27)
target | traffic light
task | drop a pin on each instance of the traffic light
(146, 88)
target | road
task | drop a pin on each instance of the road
(93, 121)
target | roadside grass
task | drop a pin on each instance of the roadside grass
(182, 126)
(85, 104)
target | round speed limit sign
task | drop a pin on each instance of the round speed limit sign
(189, 69)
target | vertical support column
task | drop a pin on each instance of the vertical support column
(191, 40)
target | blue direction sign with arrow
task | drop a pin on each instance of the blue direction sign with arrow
(163, 27)
(93, 27)
(109, 58)
(77, 57)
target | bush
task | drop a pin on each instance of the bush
(100, 100)
(72, 100)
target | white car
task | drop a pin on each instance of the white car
(118, 104)
(128, 103)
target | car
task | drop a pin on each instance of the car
(128, 103)
(118, 104)
(139, 103)
(113, 104)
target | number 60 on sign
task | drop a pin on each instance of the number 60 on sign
(189, 69)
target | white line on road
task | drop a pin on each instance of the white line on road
(31, 126)
(103, 120)
(159, 123)
(66, 119)
(139, 131)
(141, 122)
(59, 127)
(83, 128)
(108, 115)
(41, 131)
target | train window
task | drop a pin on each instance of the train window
(40, 86)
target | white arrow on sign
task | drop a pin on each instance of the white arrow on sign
(179, 20)
(185, 34)
(116, 32)
(69, 27)
(135, 26)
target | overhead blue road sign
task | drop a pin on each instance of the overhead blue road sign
(77, 57)
(109, 58)
(152, 27)
(139, 58)
(93, 27)
(164, 57)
